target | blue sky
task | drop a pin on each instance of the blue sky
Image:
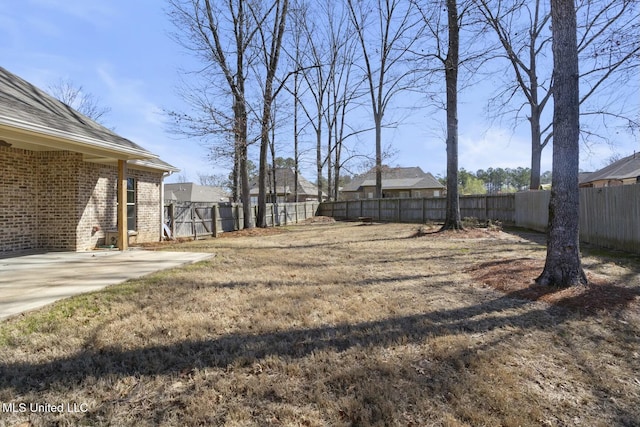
(120, 52)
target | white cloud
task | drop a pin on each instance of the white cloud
(94, 12)
(496, 147)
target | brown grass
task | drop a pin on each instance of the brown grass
(334, 324)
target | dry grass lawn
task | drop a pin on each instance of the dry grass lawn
(337, 324)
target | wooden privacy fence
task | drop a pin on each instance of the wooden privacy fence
(210, 219)
(483, 207)
(609, 216)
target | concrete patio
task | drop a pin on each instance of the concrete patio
(32, 281)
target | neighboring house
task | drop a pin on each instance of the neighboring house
(582, 179)
(67, 181)
(189, 192)
(285, 187)
(396, 182)
(624, 171)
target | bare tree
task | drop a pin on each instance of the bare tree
(451, 63)
(298, 15)
(609, 55)
(270, 45)
(215, 180)
(315, 63)
(75, 97)
(386, 45)
(220, 35)
(324, 53)
(563, 266)
(607, 51)
(445, 51)
(342, 93)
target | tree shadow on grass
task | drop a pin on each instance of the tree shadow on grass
(244, 349)
(229, 349)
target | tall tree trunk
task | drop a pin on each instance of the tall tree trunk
(452, 218)
(268, 98)
(536, 143)
(536, 157)
(329, 166)
(535, 108)
(240, 118)
(295, 138)
(319, 156)
(246, 196)
(261, 220)
(235, 185)
(563, 267)
(378, 123)
(336, 164)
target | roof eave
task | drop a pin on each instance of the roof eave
(59, 139)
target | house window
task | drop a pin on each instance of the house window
(436, 193)
(370, 195)
(131, 203)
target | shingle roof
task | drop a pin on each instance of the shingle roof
(395, 179)
(190, 192)
(25, 107)
(628, 167)
(285, 179)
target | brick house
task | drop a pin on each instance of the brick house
(67, 181)
(622, 172)
(285, 190)
(401, 182)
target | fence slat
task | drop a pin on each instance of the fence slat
(609, 216)
(210, 219)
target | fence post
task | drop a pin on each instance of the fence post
(215, 214)
(193, 222)
(486, 208)
(273, 215)
(286, 220)
(172, 215)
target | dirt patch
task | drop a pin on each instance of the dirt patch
(251, 232)
(319, 220)
(516, 278)
(433, 231)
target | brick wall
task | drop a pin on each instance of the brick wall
(56, 174)
(18, 204)
(97, 204)
(54, 200)
(147, 204)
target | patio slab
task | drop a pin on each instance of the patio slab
(32, 281)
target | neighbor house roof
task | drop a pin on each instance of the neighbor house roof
(399, 178)
(626, 168)
(285, 180)
(190, 192)
(34, 120)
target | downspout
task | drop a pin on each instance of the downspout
(162, 219)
